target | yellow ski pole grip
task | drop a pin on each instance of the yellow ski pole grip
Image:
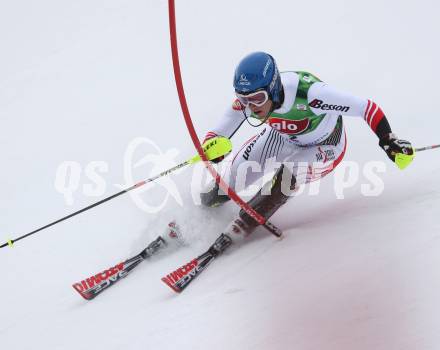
(403, 160)
(216, 147)
(213, 148)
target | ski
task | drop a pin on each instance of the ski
(90, 287)
(179, 279)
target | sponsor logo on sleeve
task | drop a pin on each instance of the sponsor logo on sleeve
(319, 104)
(290, 127)
(251, 145)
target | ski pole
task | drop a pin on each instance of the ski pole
(426, 148)
(222, 147)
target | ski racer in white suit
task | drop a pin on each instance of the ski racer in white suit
(304, 131)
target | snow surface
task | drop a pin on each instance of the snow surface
(80, 80)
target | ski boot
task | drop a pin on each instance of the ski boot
(220, 244)
(153, 247)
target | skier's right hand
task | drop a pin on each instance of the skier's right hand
(209, 136)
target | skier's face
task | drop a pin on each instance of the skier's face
(263, 110)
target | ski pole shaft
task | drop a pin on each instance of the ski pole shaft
(426, 148)
(216, 147)
(139, 184)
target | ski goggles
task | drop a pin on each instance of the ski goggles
(257, 98)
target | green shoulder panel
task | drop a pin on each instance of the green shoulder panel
(300, 113)
(306, 80)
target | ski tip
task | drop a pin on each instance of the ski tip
(80, 289)
(167, 281)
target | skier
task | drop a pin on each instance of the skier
(303, 125)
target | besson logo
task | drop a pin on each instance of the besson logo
(248, 149)
(326, 107)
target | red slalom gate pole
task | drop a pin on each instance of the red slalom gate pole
(189, 124)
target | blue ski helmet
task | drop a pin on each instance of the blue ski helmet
(258, 71)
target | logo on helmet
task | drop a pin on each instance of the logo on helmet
(266, 67)
(244, 80)
(274, 80)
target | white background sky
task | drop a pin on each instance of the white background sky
(80, 80)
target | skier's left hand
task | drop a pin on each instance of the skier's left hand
(399, 151)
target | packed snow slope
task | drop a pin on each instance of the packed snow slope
(82, 81)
